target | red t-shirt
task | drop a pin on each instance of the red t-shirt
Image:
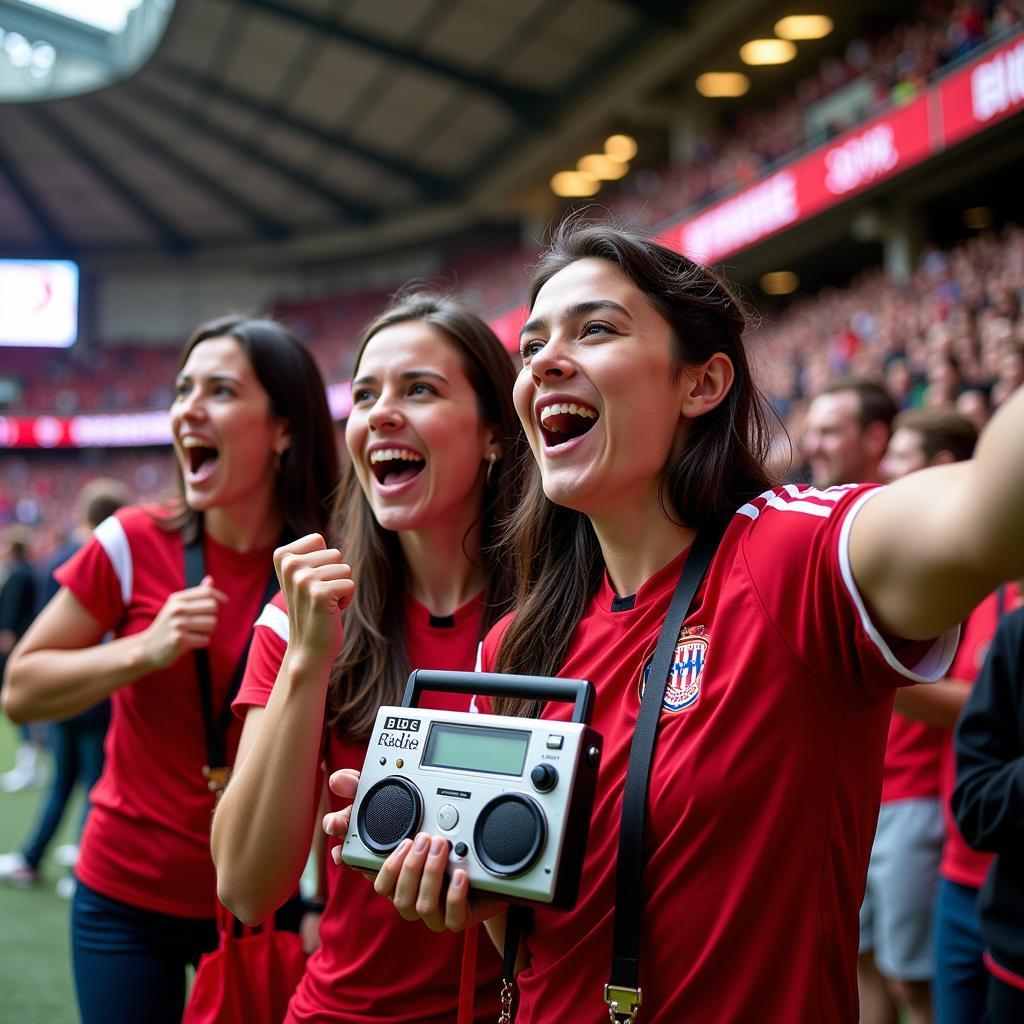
(913, 755)
(147, 837)
(764, 789)
(371, 964)
(960, 863)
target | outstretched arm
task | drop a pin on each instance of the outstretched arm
(928, 548)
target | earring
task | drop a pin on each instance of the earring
(493, 456)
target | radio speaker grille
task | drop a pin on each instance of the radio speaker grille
(390, 812)
(509, 834)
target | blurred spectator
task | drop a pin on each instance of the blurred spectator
(989, 805)
(77, 742)
(846, 431)
(17, 609)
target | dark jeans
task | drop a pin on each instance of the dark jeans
(960, 981)
(77, 757)
(129, 964)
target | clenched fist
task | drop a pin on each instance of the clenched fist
(317, 586)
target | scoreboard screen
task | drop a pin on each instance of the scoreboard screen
(38, 303)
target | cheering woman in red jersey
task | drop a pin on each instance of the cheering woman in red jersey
(764, 789)
(434, 444)
(257, 460)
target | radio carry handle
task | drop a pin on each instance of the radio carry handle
(580, 692)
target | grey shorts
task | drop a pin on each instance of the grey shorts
(896, 916)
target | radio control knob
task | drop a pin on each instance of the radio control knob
(447, 817)
(544, 778)
(461, 849)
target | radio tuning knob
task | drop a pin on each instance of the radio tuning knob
(544, 778)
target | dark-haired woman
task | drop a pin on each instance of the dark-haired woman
(764, 789)
(434, 443)
(257, 461)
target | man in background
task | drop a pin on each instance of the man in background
(846, 432)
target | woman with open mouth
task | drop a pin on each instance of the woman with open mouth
(257, 464)
(763, 792)
(408, 577)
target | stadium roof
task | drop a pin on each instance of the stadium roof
(308, 129)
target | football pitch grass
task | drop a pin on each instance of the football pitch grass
(35, 967)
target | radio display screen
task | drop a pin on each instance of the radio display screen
(475, 748)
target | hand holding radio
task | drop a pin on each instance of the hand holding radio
(317, 586)
(413, 877)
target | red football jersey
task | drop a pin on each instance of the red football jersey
(372, 965)
(960, 863)
(764, 789)
(913, 756)
(147, 837)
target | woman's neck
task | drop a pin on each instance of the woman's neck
(245, 527)
(441, 576)
(636, 545)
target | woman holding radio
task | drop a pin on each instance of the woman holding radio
(256, 455)
(816, 606)
(434, 445)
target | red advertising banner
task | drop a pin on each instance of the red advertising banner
(984, 94)
(965, 102)
(878, 149)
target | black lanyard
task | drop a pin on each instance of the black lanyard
(622, 993)
(215, 727)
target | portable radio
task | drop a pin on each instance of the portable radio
(513, 796)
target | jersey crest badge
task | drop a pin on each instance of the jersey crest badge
(684, 681)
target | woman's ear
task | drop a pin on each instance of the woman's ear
(492, 444)
(706, 385)
(282, 437)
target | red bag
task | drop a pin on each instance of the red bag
(247, 979)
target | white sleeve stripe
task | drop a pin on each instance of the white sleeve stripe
(796, 500)
(275, 619)
(934, 665)
(111, 536)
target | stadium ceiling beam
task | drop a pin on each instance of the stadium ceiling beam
(669, 13)
(524, 103)
(272, 230)
(431, 186)
(150, 97)
(64, 137)
(52, 235)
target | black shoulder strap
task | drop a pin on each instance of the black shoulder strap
(622, 993)
(216, 726)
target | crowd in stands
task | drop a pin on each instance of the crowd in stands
(953, 335)
(874, 71)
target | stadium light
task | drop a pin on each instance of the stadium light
(767, 51)
(977, 218)
(804, 26)
(780, 282)
(719, 84)
(620, 147)
(574, 184)
(602, 167)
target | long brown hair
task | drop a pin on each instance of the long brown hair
(721, 465)
(373, 664)
(309, 468)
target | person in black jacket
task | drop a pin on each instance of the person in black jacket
(989, 806)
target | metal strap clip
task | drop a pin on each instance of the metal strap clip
(505, 1017)
(216, 778)
(617, 996)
